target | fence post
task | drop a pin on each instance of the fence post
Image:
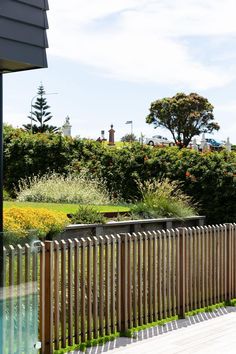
(229, 260)
(182, 282)
(48, 302)
(124, 279)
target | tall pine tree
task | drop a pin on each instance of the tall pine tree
(40, 116)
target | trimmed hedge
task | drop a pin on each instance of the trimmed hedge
(210, 178)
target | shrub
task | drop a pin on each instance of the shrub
(162, 198)
(87, 215)
(55, 188)
(6, 195)
(22, 221)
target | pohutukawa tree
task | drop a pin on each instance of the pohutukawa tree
(184, 116)
(40, 116)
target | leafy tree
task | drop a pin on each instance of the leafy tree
(41, 115)
(184, 116)
(128, 138)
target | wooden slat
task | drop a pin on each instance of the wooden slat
(124, 279)
(77, 290)
(218, 263)
(214, 264)
(203, 296)
(140, 279)
(154, 279)
(168, 274)
(63, 294)
(56, 297)
(95, 287)
(150, 277)
(118, 283)
(177, 237)
(160, 276)
(129, 280)
(234, 260)
(206, 238)
(225, 262)
(83, 291)
(229, 266)
(164, 292)
(145, 279)
(113, 299)
(42, 298)
(107, 286)
(173, 268)
(135, 272)
(199, 265)
(190, 268)
(194, 268)
(89, 287)
(101, 286)
(70, 292)
(210, 255)
(187, 269)
(182, 271)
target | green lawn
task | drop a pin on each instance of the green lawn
(66, 208)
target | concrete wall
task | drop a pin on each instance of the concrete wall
(115, 227)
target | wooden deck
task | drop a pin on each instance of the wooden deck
(208, 333)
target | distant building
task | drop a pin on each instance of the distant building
(66, 128)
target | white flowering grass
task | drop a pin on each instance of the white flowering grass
(55, 188)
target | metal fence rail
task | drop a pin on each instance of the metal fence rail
(96, 286)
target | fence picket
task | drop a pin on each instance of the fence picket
(150, 276)
(154, 279)
(101, 286)
(140, 281)
(63, 294)
(113, 300)
(135, 309)
(56, 297)
(95, 288)
(83, 291)
(70, 292)
(107, 286)
(160, 275)
(77, 289)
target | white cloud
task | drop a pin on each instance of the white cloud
(144, 40)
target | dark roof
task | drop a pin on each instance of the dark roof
(23, 39)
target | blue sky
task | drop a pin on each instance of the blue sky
(109, 59)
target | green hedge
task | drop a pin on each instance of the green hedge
(210, 178)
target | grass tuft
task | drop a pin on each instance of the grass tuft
(56, 188)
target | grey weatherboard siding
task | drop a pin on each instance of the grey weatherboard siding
(23, 39)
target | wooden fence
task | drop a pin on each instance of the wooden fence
(96, 286)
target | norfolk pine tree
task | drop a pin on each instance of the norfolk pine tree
(40, 115)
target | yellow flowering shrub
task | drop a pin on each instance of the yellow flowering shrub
(22, 220)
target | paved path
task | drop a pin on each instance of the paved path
(212, 333)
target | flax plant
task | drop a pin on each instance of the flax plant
(163, 198)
